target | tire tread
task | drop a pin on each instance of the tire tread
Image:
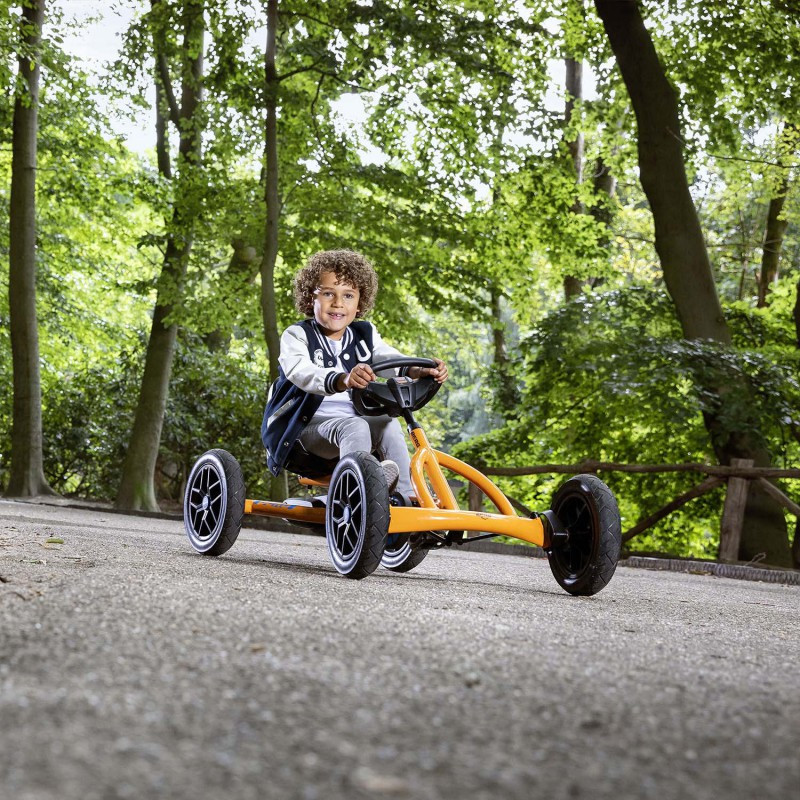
(414, 559)
(234, 502)
(608, 535)
(376, 502)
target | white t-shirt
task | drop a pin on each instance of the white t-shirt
(338, 404)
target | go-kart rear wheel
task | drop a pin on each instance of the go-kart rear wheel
(357, 515)
(213, 505)
(402, 552)
(402, 556)
(587, 509)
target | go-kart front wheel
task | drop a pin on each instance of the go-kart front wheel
(584, 564)
(357, 515)
(213, 505)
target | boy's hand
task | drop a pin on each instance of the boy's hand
(438, 373)
(359, 377)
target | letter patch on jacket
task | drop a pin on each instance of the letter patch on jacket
(362, 351)
(319, 360)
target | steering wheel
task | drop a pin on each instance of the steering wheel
(398, 393)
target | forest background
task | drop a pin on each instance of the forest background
(588, 209)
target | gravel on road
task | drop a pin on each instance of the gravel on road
(131, 667)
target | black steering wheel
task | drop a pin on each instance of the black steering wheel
(398, 393)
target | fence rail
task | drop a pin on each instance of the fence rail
(738, 476)
(609, 466)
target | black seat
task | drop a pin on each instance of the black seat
(307, 465)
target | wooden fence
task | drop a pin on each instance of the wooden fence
(737, 476)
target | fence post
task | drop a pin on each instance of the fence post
(730, 533)
(475, 498)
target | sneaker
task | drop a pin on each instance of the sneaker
(392, 473)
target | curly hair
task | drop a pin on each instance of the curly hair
(348, 266)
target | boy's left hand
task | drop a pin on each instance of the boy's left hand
(438, 373)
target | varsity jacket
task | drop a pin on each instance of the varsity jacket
(307, 371)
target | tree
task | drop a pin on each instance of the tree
(573, 65)
(271, 195)
(27, 472)
(682, 252)
(136, 490)
(743, 81)
(775, 228)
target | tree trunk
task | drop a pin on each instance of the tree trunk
(574, 91)
(506, 393)
(498, 331)
(27, 469)
(278, 486)
(605, 186)
(776, 226)
(502, 380)
(574, 86)
(682, 251)
(604, 182)
(773, 240)
(271, 196)
(137, 488)
(679, 239)
(242, 269)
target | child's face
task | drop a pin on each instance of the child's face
(335, 305)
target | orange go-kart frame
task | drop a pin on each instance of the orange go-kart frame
(438, 509)
(581, 532)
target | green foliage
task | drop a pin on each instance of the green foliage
(459, 187)
(85, 426)
(217, 401)
(606, 377)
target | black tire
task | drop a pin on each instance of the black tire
(587, 509)
(213, 505)
(357, 515)
(402, 552)
(401, 555)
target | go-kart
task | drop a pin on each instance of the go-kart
(366, 527)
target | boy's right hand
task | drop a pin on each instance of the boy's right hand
(359, 377)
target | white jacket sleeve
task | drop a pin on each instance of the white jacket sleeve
(299, 368)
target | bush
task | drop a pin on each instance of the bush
(216, 400)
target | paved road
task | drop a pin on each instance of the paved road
(132, 668)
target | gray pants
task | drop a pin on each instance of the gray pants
(331, 438)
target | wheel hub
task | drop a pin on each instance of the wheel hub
(205, 503)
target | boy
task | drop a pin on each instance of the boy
(309, 410)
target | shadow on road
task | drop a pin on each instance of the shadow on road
(381, 574)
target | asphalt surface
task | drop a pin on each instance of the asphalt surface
(132, 668)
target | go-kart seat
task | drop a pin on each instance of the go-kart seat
(307, 465)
